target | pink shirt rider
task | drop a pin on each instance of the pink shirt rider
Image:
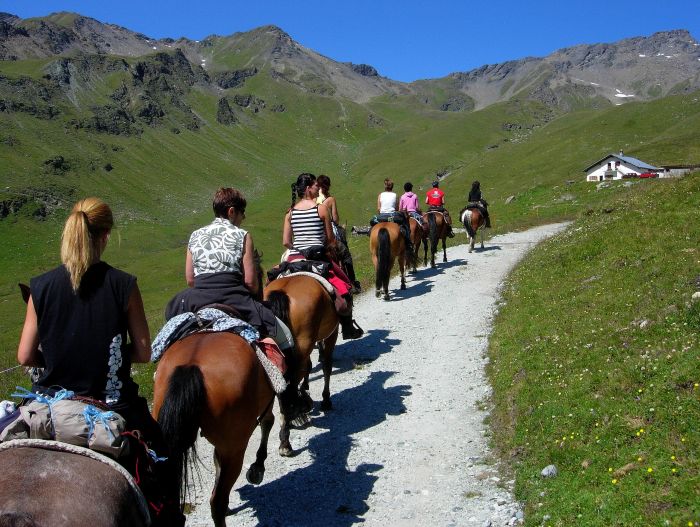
(409, 202)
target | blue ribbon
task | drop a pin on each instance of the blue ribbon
(27, 394)
(93, 415)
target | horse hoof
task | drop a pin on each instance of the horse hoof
(386, 297)
(286, 451)
(378, 294)
(326, 405)
(255, 475)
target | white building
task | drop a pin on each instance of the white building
(620, 166)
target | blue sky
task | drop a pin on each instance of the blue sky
(405, 40)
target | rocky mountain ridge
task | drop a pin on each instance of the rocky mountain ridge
(640, 68)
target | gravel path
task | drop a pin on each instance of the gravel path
(406, 443)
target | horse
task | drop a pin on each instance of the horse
(473, 219)
(305, 306)
(386, 244)
(417, 237)
(43, 485)
(215, 383)
(437, 231)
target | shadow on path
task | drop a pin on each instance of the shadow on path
(326, 492)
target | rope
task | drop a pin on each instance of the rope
(10, 369)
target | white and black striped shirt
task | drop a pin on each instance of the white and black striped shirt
(308, 228)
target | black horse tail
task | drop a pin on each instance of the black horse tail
(279, 304)
(433, 233)
(383, 258)
(179, 417)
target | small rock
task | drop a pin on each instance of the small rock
(519, 515)
(644, 323)
(510, 199)
(602, 185)
(546, 518)
(487, 523)
(696, 296)
(549, 471)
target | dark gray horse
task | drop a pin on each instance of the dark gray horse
(46, 487)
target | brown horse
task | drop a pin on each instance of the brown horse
(306, 307)
(437, 230)
(387, 244)
(473, 220)
(418, 236)
(215, 383)
(42, 487)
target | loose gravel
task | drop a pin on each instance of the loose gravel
(406, 443)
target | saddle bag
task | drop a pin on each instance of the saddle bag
(70, 421)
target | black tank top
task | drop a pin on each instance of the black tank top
(83, 335)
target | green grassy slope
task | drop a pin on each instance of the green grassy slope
(595, 363)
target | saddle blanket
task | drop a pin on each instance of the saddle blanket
(211, 320)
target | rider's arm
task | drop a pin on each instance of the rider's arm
(249, 278)
(138, 327)
(287, 231)
(28, 353)
(379, 203)
(189, 269)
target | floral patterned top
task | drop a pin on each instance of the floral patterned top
(217, 247)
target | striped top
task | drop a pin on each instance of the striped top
(307, 228)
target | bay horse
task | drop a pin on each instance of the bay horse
(305, 306)
(473, 220)
(437, 230)
(387, 244)
(214, 383)
(45, 486)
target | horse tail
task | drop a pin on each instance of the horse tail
(383, 257)
(179, 417)
(279, 304)
(433, 233)
(468, 223)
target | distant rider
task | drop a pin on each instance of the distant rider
(475, 197)
(435, 199)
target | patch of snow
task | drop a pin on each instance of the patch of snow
(642, 55)
(623, 95)
(155, 47)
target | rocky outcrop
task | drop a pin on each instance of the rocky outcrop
(224, 112)
(233, 79)
(365, 70)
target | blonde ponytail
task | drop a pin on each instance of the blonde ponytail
(80, 242)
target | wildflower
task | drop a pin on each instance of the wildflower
(650, 470)
(614, 482)
(609, 469)
(639, 459)
(673, 458)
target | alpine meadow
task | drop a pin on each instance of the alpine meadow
(595, 354)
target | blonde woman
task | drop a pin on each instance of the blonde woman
(80, 317)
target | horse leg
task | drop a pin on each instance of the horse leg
(444, 250)
(326, 347)
(228, 467)
(402, 270)
(255, 473)
(482, 238)
(304, 391)
(471, 243)
(285, 448)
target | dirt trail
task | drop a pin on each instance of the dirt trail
(406, 442)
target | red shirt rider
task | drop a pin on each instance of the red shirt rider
(435, 197)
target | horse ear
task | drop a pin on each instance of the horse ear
(24, 288)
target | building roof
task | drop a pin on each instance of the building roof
(626, 159)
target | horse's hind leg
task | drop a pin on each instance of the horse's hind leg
(256, 472)
(228, 467)
(444, 250)
(285, 448)
(326, 348)
(402, 270)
